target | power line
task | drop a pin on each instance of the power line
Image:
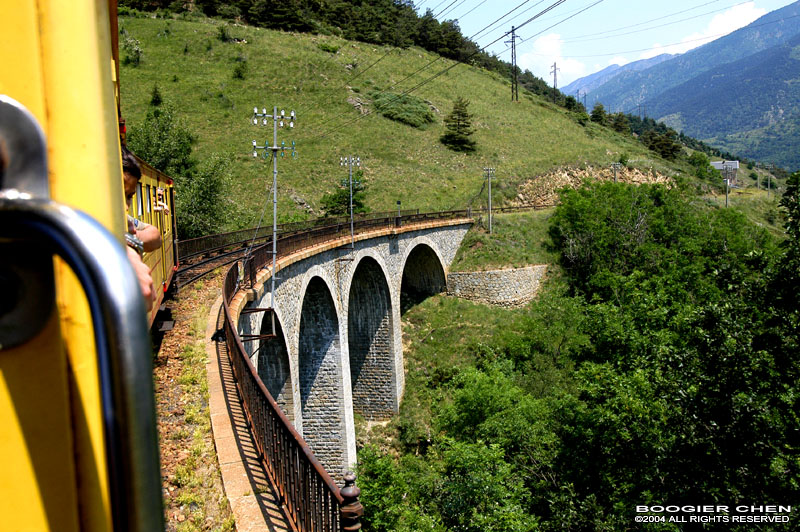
(469, 38)
(444, 71)
(474, 35)
(641, 23)
(706, 38)
(439, 14)
(580, 39)
(454, 7)
(436, 6)
(563, 20)
(471, 10)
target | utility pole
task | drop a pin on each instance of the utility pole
(489, 176)
(728, 172)
(349, 161)
(514, 82)
(277, 121)
(554, 72)
(616, 167)
(769, 178)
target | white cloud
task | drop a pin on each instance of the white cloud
(545, 51)
(721, 24)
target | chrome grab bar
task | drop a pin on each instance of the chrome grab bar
(99, 260)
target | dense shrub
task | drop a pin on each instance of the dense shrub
(671, 376)
(405, 108)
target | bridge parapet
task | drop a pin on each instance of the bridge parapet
(337, 347)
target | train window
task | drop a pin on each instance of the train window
(149, 200)
(139, 200)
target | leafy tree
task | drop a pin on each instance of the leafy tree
(163, 141)
(155, 96)
(203, 199)
(599, 114)
(620, 124)
(133, 50)
(786, 282)
(702, 167)
(665, 144)
(337, 203)
(459, 128)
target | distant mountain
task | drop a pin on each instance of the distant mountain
(746, 107)
(628, 89)
(593, 81)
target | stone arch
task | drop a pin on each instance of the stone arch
(423, 273)
(371, 341)
(321, 372)
(273, 365)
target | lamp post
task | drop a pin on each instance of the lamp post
(489, 176)
(278, 120)
(349, 161)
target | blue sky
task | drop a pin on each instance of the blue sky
(597, 33)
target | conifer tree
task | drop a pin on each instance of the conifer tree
(599, 113)
(459, 128)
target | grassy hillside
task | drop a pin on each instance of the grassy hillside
(316, 76)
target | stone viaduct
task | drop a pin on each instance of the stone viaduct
(337, 349)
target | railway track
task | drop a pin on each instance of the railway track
(198, 266)
(199, 257)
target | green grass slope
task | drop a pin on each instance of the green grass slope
(194, 70)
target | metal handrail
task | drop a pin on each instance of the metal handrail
(123, 349)
(119, 321)
(208, 244)
(309, 496)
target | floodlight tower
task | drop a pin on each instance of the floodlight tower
(277, 121)
(349, 161)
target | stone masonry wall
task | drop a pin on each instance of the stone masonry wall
(377, 386)
(370, 342)
(321, 392)
(505, 288)
(273, 367)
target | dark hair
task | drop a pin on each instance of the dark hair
(129, 163)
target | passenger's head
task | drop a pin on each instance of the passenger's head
(131, 173)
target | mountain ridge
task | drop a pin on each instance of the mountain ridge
(593, 81)
(629, 89)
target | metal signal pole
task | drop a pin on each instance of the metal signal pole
(277, 121)
(616, 167)
(729, 171)
(769, 178)
(489, 176)
(554, 72)
(350, 161)
(514, 82)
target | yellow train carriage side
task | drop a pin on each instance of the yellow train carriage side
(154, 204)
(78, 440)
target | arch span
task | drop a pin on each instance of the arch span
(423, 274)
(320, 375)
(371, 342)
(273, 366)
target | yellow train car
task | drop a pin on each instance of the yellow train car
(78, 440)
(154, 203)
